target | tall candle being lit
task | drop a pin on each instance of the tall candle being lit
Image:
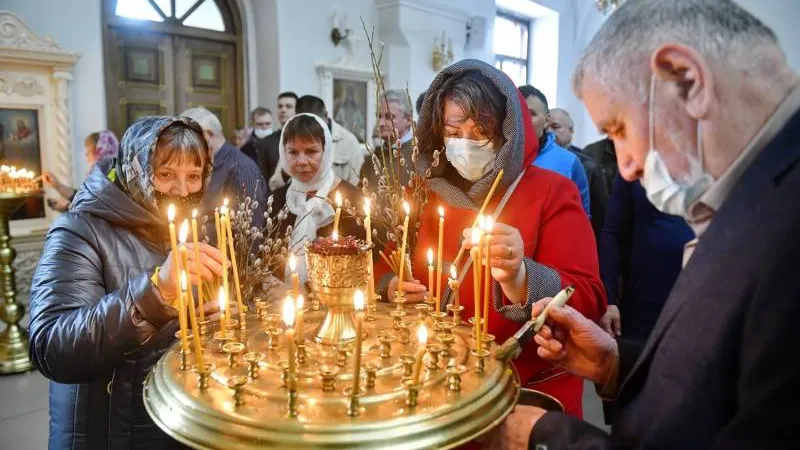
(368, 230)
(173, 240)
(431, 287)
(338, 199)
(475, 253)
(439, 260)
(407, 209)
(222, 298)
(487, 275)
(198, 348)
(295, 277)
(358, 305)
(422, 338)
(196, 245)
(219, 233)
(299, 336)
(223, 215)
(288, 319)
(454, 285)
(186, 294)
(234, 264)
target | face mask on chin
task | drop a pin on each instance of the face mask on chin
(472, 159)
(262, 133)
(667, 195)
(183, 205)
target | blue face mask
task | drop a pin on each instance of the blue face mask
(472, 159)
(667, 195)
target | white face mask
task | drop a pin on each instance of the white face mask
(472, 159)
(666, 194)
(262, 133)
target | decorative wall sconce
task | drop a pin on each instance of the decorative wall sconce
(339, 32)
(442, 56)
(607, 5)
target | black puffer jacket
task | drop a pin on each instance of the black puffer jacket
(97, 323)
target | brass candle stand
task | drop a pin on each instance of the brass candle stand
(243, 400)
(13, 339)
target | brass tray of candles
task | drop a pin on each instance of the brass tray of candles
(336, 370)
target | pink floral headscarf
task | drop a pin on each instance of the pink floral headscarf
(107, 145)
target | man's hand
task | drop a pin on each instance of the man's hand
(515, 431)
(576, 343)
(612, 321)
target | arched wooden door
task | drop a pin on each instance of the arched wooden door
(164, 56)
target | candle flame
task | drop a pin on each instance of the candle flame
(441, 212)
(225, 202)
(406, 207)
(481, 221)
(300, 302)
(453, 273)
(422, 334)
(171, 213)
(184, 281)
(476, 235)
(194, 214)
(335, 235)
(488, 224)
(222, 299)
(292, 263)
(183, 233)
(338, 199)
(367, 207)
(223, 211)
(358, 300)
(430, 256)
(288, 312)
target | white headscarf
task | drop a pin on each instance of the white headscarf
(314, 213)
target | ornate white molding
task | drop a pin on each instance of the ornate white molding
(428, 6)
(23, 85)
(36, 75)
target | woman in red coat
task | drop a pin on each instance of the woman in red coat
(542, 239)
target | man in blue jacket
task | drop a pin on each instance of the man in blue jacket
(551, 155)
(706, 114)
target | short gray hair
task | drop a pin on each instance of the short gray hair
(401, 97)
(207, 120)
(566, 114)
(619, 54)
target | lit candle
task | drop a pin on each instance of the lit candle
(453, 283)
(196, 244)
(338, 198)
(288, 319)
(234, 264)
(475, 252)
(422, 337)
(295, 276)
(173, 240)
(300, 325)
(368, 230)
(407, 209)
(358, 305)
(439, 260)
(183, 233)
(487, 275)
(219, 233)
(223, 245)
(223, 305)
(198, 349)
(182, 321)
(431, 287)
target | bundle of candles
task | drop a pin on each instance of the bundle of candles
(18, 181)
(482, 279)
(186, 301)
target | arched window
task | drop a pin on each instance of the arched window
(205, 14)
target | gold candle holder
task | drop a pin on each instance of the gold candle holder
(236, 383)
(232, 349)
(412, 393)
(202, 375)
(253, 359)
(328, 374)
(385, 340)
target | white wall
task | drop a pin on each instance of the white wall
(76, 25)
(781, 16)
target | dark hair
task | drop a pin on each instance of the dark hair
(304, 128)
(181, 139)
(311, 104)
(479, 98)
(530, 91)
(259, 111)
(92, 139)
(420, 100)
(288, 94)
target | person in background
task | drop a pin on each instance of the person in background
(706, 115)
(348, 155)
(103, 297)
(394, 127)
(235, 176)
(241, 136)
(261, 123)
(99, 146)
(267, 154)
(603, 153)
(287, 102)
(542, 239)
(551, 155)
(560, 124)
(307, 154)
